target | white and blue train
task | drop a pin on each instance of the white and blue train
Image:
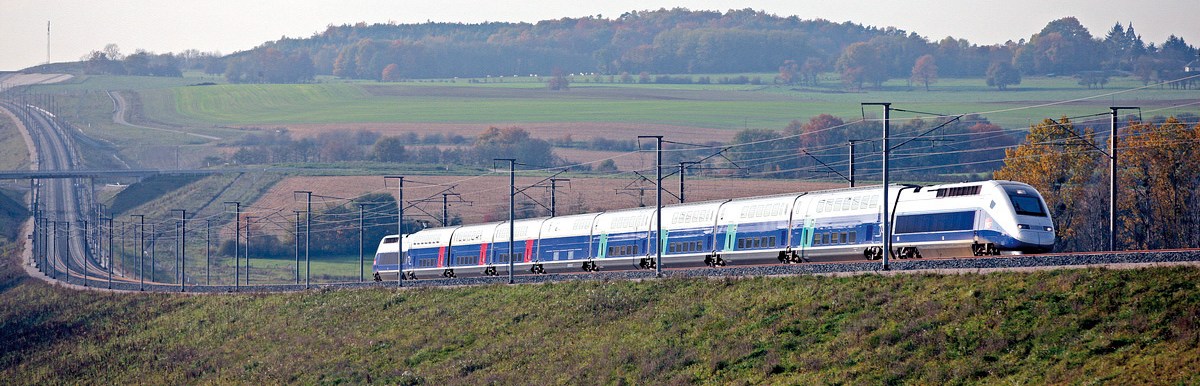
(965, 219)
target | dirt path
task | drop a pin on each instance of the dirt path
(119, 111)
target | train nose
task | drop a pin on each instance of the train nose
(1037, 235)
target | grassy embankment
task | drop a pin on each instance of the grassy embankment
(1121, 327)
(204, 199)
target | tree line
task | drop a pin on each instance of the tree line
(648, 44)
(278, 146)
(682, 41)
(1157, 172)
(820, 148)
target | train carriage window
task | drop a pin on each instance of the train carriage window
(935, 222)
(773, 241)
(853, 236)
(825, 238)
(845, 203)
(843, 236)
(827, 205)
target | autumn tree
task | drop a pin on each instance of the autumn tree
(558, 81)
(391, 73)
(1001, 74)
(860, 63)
(817, 132)
(811, 71)
(925, 71)
(512, 142)
(388, 149)
(788, 73)
(1060, 165)
(1160, 169)
(756, 144)
(1064, 46)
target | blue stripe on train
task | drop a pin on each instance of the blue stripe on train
(563, 248)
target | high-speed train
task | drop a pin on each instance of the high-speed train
(963, 219)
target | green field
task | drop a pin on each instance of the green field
(710, 106)
(1070, 326)
(13, 153)
(221, 110)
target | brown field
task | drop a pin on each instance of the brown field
(579, 131)
(625, 161)
(485, 198)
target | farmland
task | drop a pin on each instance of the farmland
(698, 106)
(686, 112)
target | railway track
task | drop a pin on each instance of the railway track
(910, 266)
(68, 255)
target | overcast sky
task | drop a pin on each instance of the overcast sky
(81, 26)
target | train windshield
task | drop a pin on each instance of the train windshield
(1026, 202)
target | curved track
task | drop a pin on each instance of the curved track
(64, 202)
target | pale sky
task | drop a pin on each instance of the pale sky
(79, 26)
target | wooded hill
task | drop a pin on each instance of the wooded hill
(682, 41)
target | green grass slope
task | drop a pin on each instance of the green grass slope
(12, 213)
(1072, 326)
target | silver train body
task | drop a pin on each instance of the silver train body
(965, 219)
